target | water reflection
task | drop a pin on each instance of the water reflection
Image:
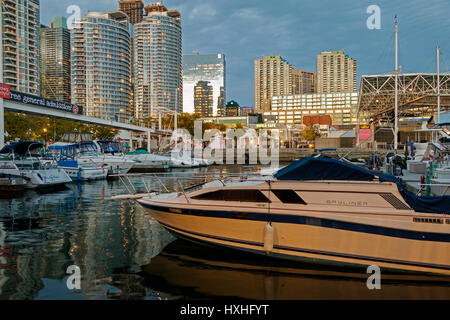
(125, 254)
(200, 272)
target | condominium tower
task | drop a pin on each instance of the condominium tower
(20, 35)
(134, 9)
(101, 64)
(204, 68)
(55, 61)
(273, 77)
(336, 72)
(303, 82)
(157, 62)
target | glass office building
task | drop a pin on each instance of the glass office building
(20, 35)
(157, 62)
(199, 68)
(101, 65)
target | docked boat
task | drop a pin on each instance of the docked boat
(147, 162)
(11, 184)
(66, 157)
(319, 210)
(24, 159)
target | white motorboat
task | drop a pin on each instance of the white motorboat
(88, 155)
(23, 159)
(146, 162)
(66, 157)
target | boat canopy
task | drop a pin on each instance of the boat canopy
(22, 147)
(324, 168)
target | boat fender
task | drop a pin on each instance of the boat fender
(268, 238)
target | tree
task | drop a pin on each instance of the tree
(309, 134)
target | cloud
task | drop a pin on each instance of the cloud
(299, 30)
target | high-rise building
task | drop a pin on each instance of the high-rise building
(291, 109)
(303, 81)
(157, 62)
(55, 61)
(134, 9)
(336, 72)
(101, 64)
(204, 67)
(20, 34)
(203, 98)
(232, 109)
(273, 77)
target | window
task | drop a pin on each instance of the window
(233, 195)
(288, 196)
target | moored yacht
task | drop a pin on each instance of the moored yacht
(24, 159)
(319, 210)
(66, 157)
(146, 161)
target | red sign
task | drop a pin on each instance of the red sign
(5, 91)
(365, 134)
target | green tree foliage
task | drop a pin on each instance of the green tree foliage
(309, 134)
(29, 127)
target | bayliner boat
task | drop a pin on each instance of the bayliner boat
(24, 159)
(66, 157)
(319, 210)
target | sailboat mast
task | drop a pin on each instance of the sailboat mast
(438, 89)
(396, 87)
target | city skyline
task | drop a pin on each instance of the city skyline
(228, 27)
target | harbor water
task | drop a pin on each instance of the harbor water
(124, 254)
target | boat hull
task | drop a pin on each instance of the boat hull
(86, 174)
(308, 238)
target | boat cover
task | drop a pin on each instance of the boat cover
(324, 168)
(22, 147)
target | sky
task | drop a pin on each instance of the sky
(298, 30)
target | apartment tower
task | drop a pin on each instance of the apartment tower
(101, 65)
(157, 62)
(134, 9)
(336, 72)
(55, 61)
(273, 77)
(303, 82)
(20, 35)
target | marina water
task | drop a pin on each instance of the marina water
(124, 254)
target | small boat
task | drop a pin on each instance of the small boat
(147, 162)
(11, 184)
(319, 210)
(66, 157)
(25, 159)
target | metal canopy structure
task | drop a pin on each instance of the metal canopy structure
(417, 96)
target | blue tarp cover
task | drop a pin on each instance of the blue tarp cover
(22, 147)
(324, 168)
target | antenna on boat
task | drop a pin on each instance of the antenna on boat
(396, 86)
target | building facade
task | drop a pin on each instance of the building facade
(303, 82)
(157, 62)
(204, 67)
(336, 72)
(134, 9)
(273, 77)
(55, 61)
(203, 98)
(101, 65)
(290, 109)
(20, 35)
